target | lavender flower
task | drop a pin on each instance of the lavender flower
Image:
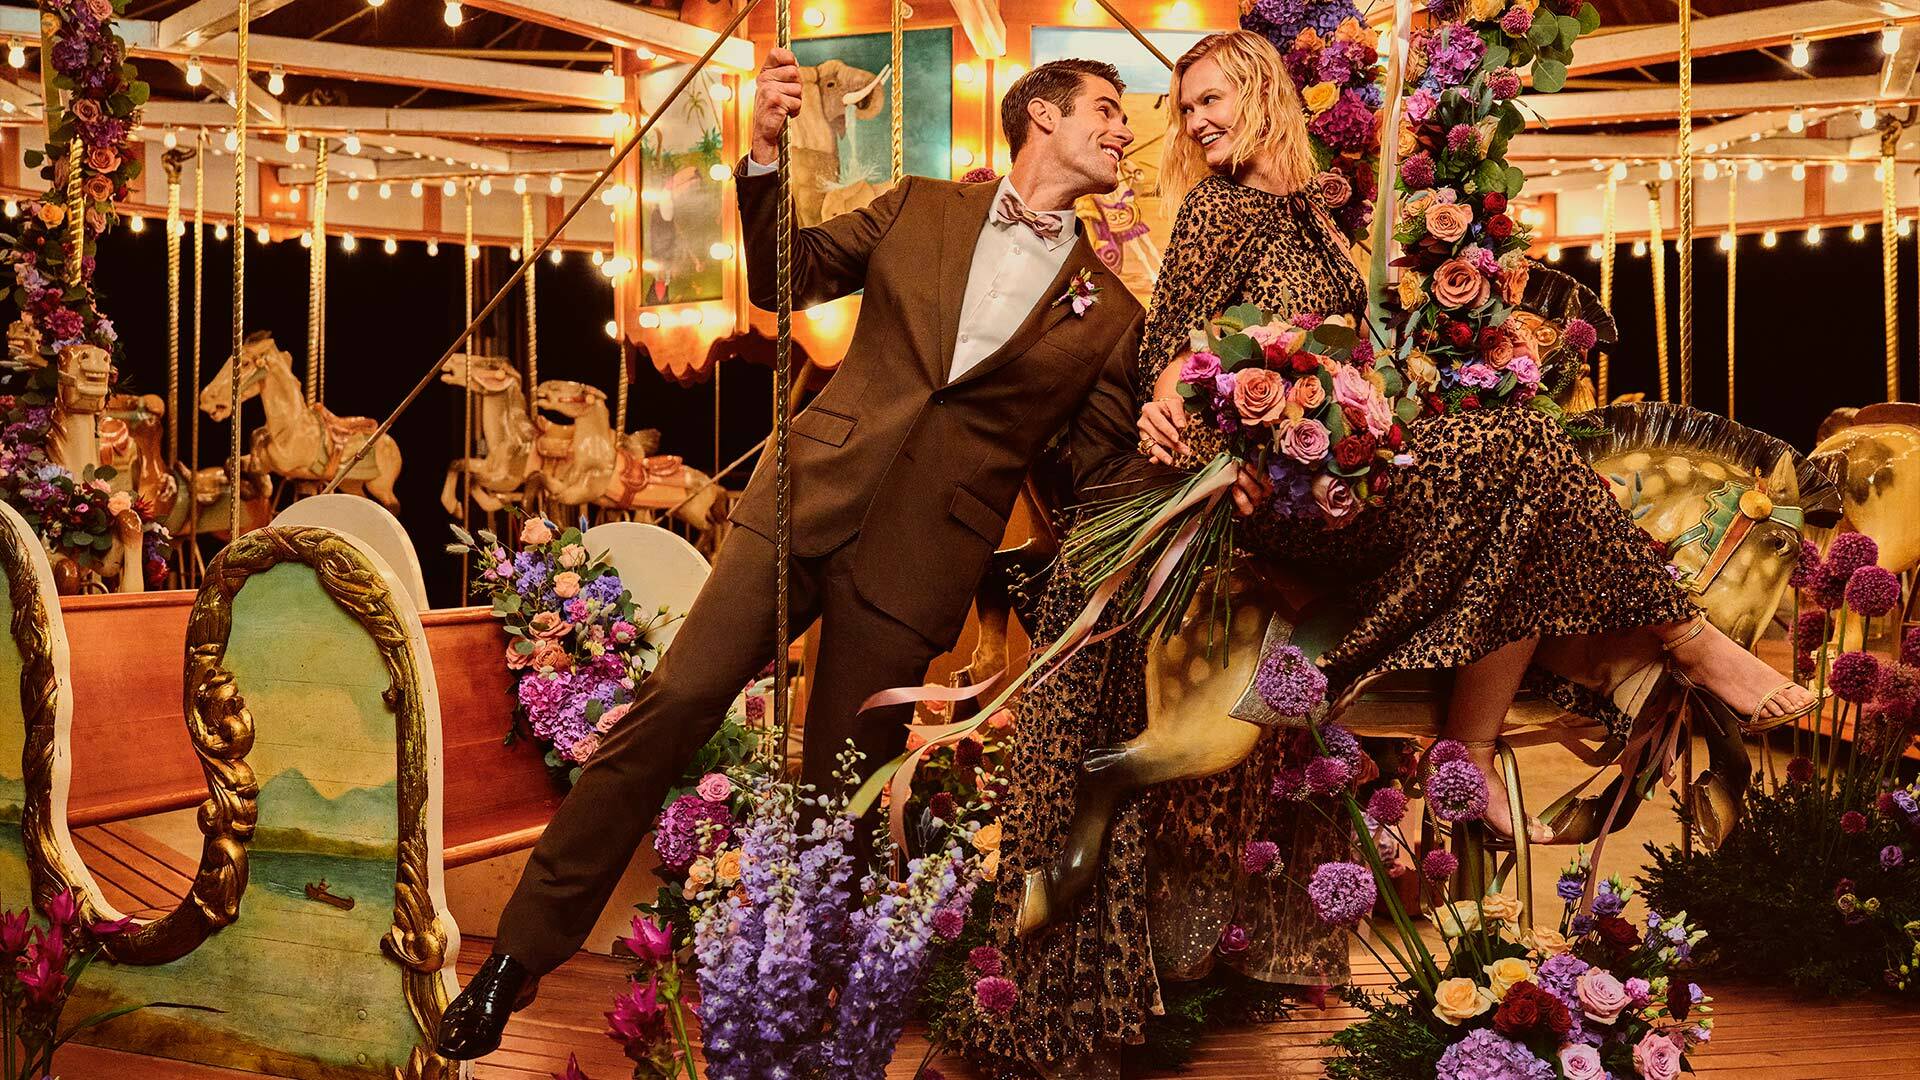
(1342, 892)
(1486, 1055)
(1457, 791)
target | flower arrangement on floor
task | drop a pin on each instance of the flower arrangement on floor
(1463, 253)
(1818, 888)
(1333, 58)
(74, 516)
(576, 639)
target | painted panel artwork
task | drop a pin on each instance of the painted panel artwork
(843, 141)
(682, 200)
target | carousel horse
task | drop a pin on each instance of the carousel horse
(506, 430)
(1876, 460)
(581, 462)
(302, 442)
(1728, 502)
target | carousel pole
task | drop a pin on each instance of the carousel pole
(1890, 249)
(172, 160)
(1684, 212)
(241, 83)
(1657, 251)
(782, 472)
(317, 278)
(190, 567)
(467, 258)
(533, 332)
(897, 103)
(1733, 265)
(1609, 240)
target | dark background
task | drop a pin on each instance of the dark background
(1810, 340)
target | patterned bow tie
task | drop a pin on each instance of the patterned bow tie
(1011, 211)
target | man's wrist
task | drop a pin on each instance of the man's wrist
(757, 165)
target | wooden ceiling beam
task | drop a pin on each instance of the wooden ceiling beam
(1735, 33)
(206, 19)
(626, 27)
(1709, 99)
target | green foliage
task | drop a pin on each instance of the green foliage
(1393, 1043)
(1224, 998)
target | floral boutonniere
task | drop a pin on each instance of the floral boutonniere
(1081, 293)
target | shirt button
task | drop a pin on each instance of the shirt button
(963, 337)
(993, 295)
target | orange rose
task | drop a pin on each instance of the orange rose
(86, 110)
(1456, 284)
(98, 188)
(103, 159)
(1307, 394)
(549, 624)
(1499, 353)
(51, 214)
(1448, 222)
(1259, 396)
(550, 655)
(517, 660)
(1513, 283)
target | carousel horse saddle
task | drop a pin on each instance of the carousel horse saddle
(345, 434)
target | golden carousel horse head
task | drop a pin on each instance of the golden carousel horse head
(86, 378)
(570, 399)
(256, 352)
(1877, 464)
(488, 374)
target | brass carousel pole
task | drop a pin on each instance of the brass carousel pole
(1733, 265)
(171, 161)
(317, 279)
(1657, 251)
(897, 104)
(1609, 240)
(1684, 241)
(782, 474)
(533, 331)
(467, 259)
(240, 85)
(190, 568)
(1890, 249)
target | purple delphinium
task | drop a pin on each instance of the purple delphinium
(1457, 791)
(1342, 892)
(1486, 1055)
(1289, 683)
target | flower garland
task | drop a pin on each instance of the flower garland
(1463, 254)
(1333, 59)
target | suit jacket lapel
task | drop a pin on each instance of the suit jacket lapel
(966, 215)
(1046, 314)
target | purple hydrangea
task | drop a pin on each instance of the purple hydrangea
(1387, 806)
(1855, 676)
(691, 827)
(1348, 125)
(605, 589)
(1486, 1055)
(1438, 865)
(1289, 683)
(1872, 591)
(1453, 52)
(1342, 892)
(1457, 791)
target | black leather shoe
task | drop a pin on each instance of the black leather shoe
(472, 1025)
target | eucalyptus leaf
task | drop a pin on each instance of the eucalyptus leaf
(1241, 316)
(1589, 17)
(1491, 176)
(1569, 29)
(1407, 409)
(1497, 56)
(1235, 351)
(1334, 336)
(1542, 32)
(1516, 180)
(523, 647)
(1549, 75)
(139, 92)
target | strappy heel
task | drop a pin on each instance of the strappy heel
(1509, 768)
(1752, 724)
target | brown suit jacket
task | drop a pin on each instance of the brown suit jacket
(925, 471)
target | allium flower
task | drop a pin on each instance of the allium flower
(1855, 676)
(1807, 567)
(1872, 591)
(1342, 744)
(1417, 171)
(1290, 783)
(1446, 750)
(1517, 21)
(943, 806)
(1387, 806)
(1326, 775)
(1853, 823)
(1342, 892)
(1850, 552)
(1439, 865)
(1799, 770)
(1809, 631)
(1505, 83)
(1457, 791)
(1486, 1055)
(995, 994)
(1459, 137)
(986, 960)
(1259, 857)
(949, 923)
(1289, 683)
(1892, 856)
(1910, 646)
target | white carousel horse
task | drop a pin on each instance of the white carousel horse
(506, 430)
(582, 463)
(299, 441)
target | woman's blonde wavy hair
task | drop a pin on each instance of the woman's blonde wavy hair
(1270, 121)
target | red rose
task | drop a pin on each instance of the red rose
(1494, 202)
(1459, 333)
(1304, 363)
(1471, 401)
(1353, 451)
(1522, 1011)
(1275, 354)
(1559, 1020)
(1435, 404)
(1489, 337)
(1356, 418)
(1396, 437)
(1679, 998)
(1500, 226)
(1618, 933)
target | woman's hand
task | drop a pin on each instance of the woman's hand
(1251, 490)
(1161, 421)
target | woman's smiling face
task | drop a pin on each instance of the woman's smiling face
(1208, 106)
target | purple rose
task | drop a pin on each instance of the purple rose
(1200, 368)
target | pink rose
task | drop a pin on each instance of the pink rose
(1456, 284)
(1513, 283)
(582, 750)
(1602, 997)
(1581, 1062)
(100, 9)
(612, 716)
(1335, 498)
(1307, 394)
(103, 159)
(1305, 441)
(1335, 188)
(1448, 222)
(119, 503)
(1380, 417)
(1499, 351)
(715, 787)
(536, 531)
(624, 632)
(517, 660)
(549, 624)
(1199, 368)
(1350, 387)
(86, 110)
(566, 585)
(1657, 1057)
(1260, 396)
(550, 655)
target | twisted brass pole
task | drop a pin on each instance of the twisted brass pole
(1608, 241)
(533, 326)
(317, 275)
(192, 565)
(1656, 250)
(172, 165)
(241, 84)
(1890, 250)
(782, 475)
(467, 258)
(1733, 265)
(1685, 210)
(897, 103)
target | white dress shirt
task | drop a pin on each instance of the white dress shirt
(1011, 269)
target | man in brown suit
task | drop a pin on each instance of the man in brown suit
(970, 356)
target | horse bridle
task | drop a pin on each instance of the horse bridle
(1732, 512)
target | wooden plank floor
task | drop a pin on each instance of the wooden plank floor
(1759, 1035)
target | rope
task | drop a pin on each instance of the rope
(499, 296)
(621, 387)
(1608, 241)
(317, 271)
(1685, 240)
(898, 104)
(782, 477)
(1733, 265)
(1657, 251)
(241, 84)
(1890, 251)
(173, 311)
(533, 326)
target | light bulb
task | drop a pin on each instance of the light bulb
(170, 140)
(452, 15)
(599, 257)
(641, 52)
(433, 247)
(1839, 172)
(1858, 232)
(16, 54)
(649, 320)
(1799, 55)
(306, 239)
(1869, 116)
(1726, 241)
(1813, 234)
(513, 253)
(613, 329)
(963, 73)
(1639, 248)
(193, 71)
(473, 252)
(351, 144)
(12, 208)
(814, 17)
(962, 157)
(719, 172)
(1753, 170)
(721, 251)
(1083, 9)
(386, 189)
(375, 3)
(1906, 227)
(519, 185)
(1889, 38)
(1796, 121)
(1799, 170)
(1710, 171)
(136, 223)
(1619, 171)
(1553, 252)
(1769, 238)
(348, 243)
(391, 247)
(277, 81)
(417, 189)
(232, 141)
(263, 235)
(293, 195)
(553, 256)
(220, 232)
(449, 189)
(556, 185)
(353, 192)
(1013, 72)
(1666, 170)
(293, 142)
(486, 185)
(1179, 13)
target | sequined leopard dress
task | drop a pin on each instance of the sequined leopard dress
(1496, 532)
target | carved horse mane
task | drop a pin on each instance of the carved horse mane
(1660, 425)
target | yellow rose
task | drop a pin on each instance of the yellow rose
(1547, 941)
(986, 839)
(1483, 10)
(1320, 97)
(1458, 1000)
(1420, 367)
(51, 214)
(1500, 907)
(1409, 142)
(1506, 973)
(1457, 918)
(1530, 5)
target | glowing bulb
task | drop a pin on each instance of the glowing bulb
(555, 185)
(136, 223)
(433, 247)
(1869, 116)
(718, 171)
(720, 251)
(963, 73)
(449, 189)
(814, 17)
(170, 140)
(1889, 38)
(599, 257)
(1839, 172)
(1813, 234)
(486, 185)
(277, 81)
(220, 232)
(352, 142)
(1666, 170)
(375, 3)
(1553, 252)
(193, 71)
(1083, 9)
(1769, 238)
(553, 256)
(261, 234)
(306, 239)
(1858, 232)
(1906, 227)
(348, 243)
(962, 157)
(1013, 73)
(1639, 248)
(513, 253)
(649, 320)
(1179, 13)
(232, 141)
(1796, 121)
(1619, 170)
(721, 92)
(1799, 170)
(473, 252)
(293, 195)
(1710, 171)
(613, 329)
(815, 314)
(519, 185)
(293, 142)
(353, 192)
(1753, 170)
(452, 15)
(641, 52)
(1726, 241)
(1799, 54)
(12, 208)
(1595, 250)
(16, 54)
(418, 189)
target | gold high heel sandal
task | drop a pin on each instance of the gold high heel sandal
(1752, 724)
(1509, 774)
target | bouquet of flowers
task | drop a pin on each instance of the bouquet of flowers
(576, 639)
(1333, 59)
(1463, 253)
(75, 516)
